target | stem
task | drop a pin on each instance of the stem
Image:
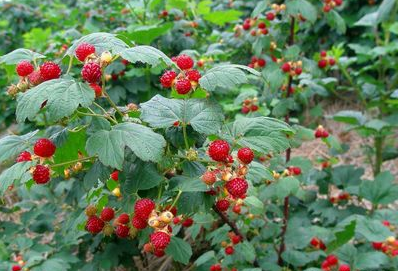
(69, 64)
(378, 154)
(356, 87)
(72, 162)
(185, 137)
(98, 115)
(176, 199)
(103, 82)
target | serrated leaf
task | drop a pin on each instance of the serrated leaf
(15, 173)
(226, 76)
(146, 54)
(380, 191)
(246, 250)
(221, 17)
(342, 236)
(18, 55)
(63, 97)
(12, 145)
(140, 176)
(110, 145)
(146, 34)
(372, 230)
(187, 184)
(179, 250)
(336, 21)
(203, 115)
(370, 261)
(303, 7)
(209, 255)
(102, 42)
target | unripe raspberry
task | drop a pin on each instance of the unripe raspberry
(139, 223)
(237, 209)
(107, 214)
(187, 222)
(209, 177)
(167, 78)
(193, 75)
(184, 62)
(98, 90)
(322, 63)
(105, 58)
(245, 155)
(143, 208)
(122, 231)
(91, 210)
(24, 68)
(286, 67)
(35, 78)
(229, 250)
(41, 174)
(84, 50)
(166, 217)
(94, 225)
(24, 157)
(16, 268)
(160, 240)
(344, 267)
(44, 148)
(219, 150)
(49, 70)
(332, 259)
(237, 187)
(222, 205)
(270, 16)
(116, 192)
(148, 247)
(91, 72)
(183, 86)
(108, 230)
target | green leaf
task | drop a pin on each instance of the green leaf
(226, 76)
(63, 97)
(102, 42)
(384, 10)
(255, 203)
(303, 7)
(342, 236)
(110, 145)
(221, 17)
(187, 184)
(296, 258)
(380, 191)
(179, 250)
(146, 34)
(261, 134)
(15, 173)
(372, 230)
(146, 54)
(347, 175)
(292, 52)
(140, 176)
(18, 55)
(204, 116)
(12, 145)
(350, 117)
(286, 186)
(370, 19)
(336, 21)
(370, 261)
(209, 255)
(246, 250)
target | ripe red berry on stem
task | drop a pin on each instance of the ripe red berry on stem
(139, 223)
(222, 205)
(236, 239)
(246, 26)
(237, 209)
(322, 63)
(184, 62)
(298, 71)
(123, 218)
(327, 8)
(41, 174)
(84, 50)
(114, 175)
(261, 62)
(215, 267)
(24, 68)
(122, 231)
(16, 268)
(245, 155)
(24, 157)
(219, 150)
(332, 259)
(270, 16)
(338, 2)
(107, 214)
(94, 225)
(286, 67)
(91, 72)
(245, 109)
(160, 240)
(237, 187)
(344, 267)
(183, 86)
(262, 25)
(193, 75)
(294, 170)
(167, 78)
(35, 78)
(332, 61)
(49, 71)
(44, 148)
(229, 250)
(98, 91)
(143, 208)
(322, 53)
(187, 222)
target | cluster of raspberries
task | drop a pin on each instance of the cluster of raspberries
(186, 80)
(324, 60)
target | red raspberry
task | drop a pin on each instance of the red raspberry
(253, 33)
(327, 8)
(237, 187)
(253, 108)
(167, 78)
(338, 2)
(325, 266)
(24, 68)
(139, 223)
(122, 231)
(41, 174)
(322, 53)
(386, 223)
(184, 62)
(143, 208)
(193, 75)
(245, 155)
(91, 72)
(176, 220)
(246, 26)
(183, 86)
(395, 252)
(84, 50)
(160, 240)
(245, 109)
(114, 175)
(331, 260)
(377, 245)
(35, 78)
(123, 218)
(236, 239)
(332, 61)
(24, 157)
(261, 62)
(215, 267)
(219, 150)
(44, 148)
(344, 267)
(50, 70)
(125, 62)
(98, 91)
(159, 253)
(298, 71)
(229, 250)
(294, 170)
(94, 225)
(222, 205)
(237, 209)
(209, 177)
(270, 16)
(286, 67)
(16, 268)
(187, 222)
(262, 25)
(322, 63)
(264, 31)
(314, 242)
(107, 214)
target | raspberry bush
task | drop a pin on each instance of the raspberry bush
(168, 141)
